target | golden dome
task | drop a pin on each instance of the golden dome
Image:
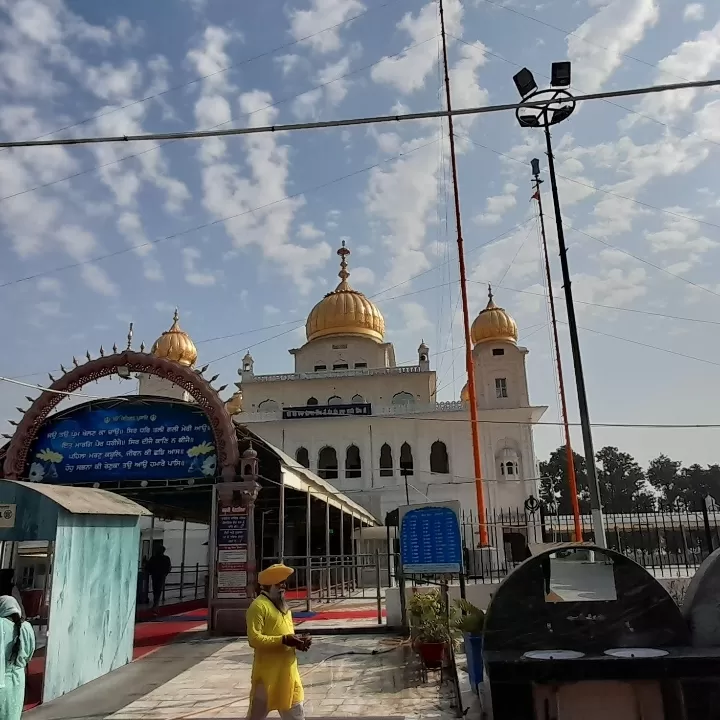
(345, 311)
(175, 344)
(234, 404)
(465, 394)
(493, 323)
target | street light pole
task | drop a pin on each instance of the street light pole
(595, 503)
(560, 106)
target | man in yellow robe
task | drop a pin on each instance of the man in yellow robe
(271, 633)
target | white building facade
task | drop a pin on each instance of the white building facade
(375, 430)
(354, 417)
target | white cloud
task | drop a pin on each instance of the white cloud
(50, 285)
(324, 15)
(692, 60)
(271, 310)
(362, 277)
(308, 231)
(334, 90)
(80, 244)
(693, 11)
(680, 235)
(497, 205)
(401, 195)
(408, 71)
(130, 225)
(49, 308)
(114, 84)
(596, 48)
(415, 318)
(193, 275)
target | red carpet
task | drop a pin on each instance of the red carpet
(149, 636)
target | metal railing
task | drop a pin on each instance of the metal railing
(184, 582)
(668, 543)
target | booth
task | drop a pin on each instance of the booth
(581, 632)
(93, 537)
(701, 609)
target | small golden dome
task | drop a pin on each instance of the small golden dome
(493, 323)
(175, 344)
(465, 394)
(234, 404)
(345, 311)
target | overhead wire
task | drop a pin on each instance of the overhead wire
(356, 121)
(218, 221)
(266, 53)
(161, 145)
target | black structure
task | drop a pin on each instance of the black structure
(528, 614)
(560, 106)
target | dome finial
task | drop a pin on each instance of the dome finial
(343, 252)
(491, 302)
(176, 316)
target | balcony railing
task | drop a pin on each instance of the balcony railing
(357, 372)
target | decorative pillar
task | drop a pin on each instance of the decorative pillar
(234, 564)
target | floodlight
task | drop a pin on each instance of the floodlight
(524, 82)
(535, 165)
(560, 75)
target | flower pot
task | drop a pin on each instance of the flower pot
(474, 657)
(432, 653)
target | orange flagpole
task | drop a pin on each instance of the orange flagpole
(474, 427)
(572, 480)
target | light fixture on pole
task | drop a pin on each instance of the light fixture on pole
(559, 105)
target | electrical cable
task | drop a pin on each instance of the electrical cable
(212, 127)
(594, 187)
(357, 121)
(196, 80)
(609, 102)
(504, 6)
(218, 221)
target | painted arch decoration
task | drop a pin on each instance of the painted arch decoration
(221, 459)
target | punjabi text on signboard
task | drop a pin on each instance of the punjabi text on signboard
(132, 441)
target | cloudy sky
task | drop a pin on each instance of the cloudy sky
(241, 233)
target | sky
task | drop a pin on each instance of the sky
(241, 233)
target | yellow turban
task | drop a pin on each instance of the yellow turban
(274, 575)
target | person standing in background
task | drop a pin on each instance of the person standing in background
(8, 587)
(17, 645)
(158, 568)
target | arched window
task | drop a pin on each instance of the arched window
(386, 461)
(358, 399)
(510, 468)
(268, 406)
(403, 398)
(406, 459)
(303, 457)
(353, 464)
(327, 463)
(312, 401)
(335, 400)
(439, 461)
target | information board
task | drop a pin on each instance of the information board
(232, 554)
(128, 441)
(430, 540)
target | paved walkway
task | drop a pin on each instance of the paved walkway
(341, 675)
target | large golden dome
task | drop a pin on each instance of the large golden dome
(493, 324)
(345, 311)
(175, 344)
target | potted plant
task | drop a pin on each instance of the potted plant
(429, 627)
(470, 621)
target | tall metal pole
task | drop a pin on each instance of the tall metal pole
(595, 506)
(572, 480)
(472, 397)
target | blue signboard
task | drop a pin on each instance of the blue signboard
(430, 540)
(129, 441)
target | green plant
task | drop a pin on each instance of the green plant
(468, 619)
(428, 620)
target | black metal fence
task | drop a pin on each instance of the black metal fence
(669, 543)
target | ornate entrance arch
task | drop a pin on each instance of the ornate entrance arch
(136, 362)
